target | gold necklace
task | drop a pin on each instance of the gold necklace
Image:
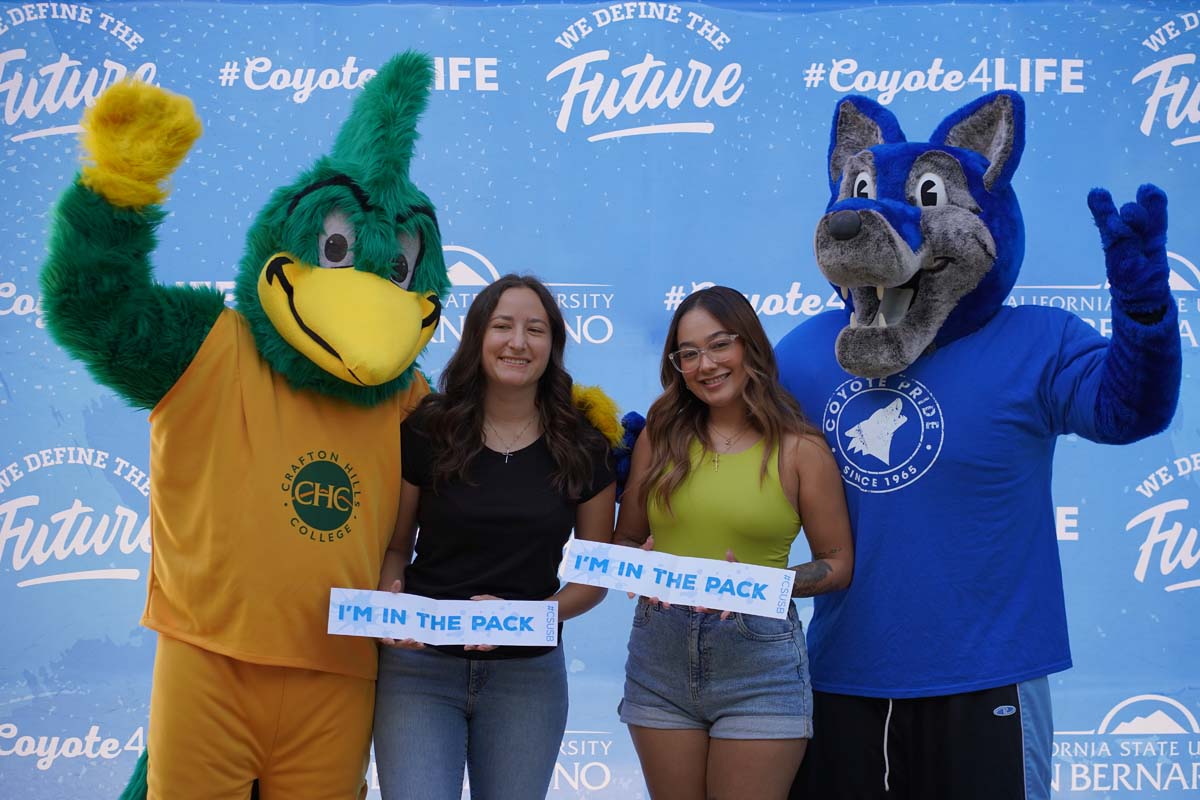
(500, 440)
(729, 440)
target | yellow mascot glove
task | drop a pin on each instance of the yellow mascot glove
(133, 138)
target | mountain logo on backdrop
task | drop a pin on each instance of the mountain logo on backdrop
(468, 268)
(1146, 743)
(586, 307)
(1185, 276)
(1093, 304)
(641, 93)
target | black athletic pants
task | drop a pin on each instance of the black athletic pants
(967, 746)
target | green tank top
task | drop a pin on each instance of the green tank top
(717, 509)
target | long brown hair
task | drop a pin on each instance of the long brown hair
(453, 417)
(678, 416)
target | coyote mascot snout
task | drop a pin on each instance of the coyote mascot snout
(942, 406)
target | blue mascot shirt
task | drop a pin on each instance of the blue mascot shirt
(957, 584)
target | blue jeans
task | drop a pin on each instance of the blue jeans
(503, 719)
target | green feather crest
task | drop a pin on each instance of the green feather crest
(366, 177)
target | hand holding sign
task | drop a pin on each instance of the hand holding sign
(725, 585)
(648, 545)
(401, 617)
(729, 556)
(407, 644)
(483, 648)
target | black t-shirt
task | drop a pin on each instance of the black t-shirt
(500, 533)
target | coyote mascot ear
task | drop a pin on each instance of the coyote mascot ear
(858, 124)
(992, 126)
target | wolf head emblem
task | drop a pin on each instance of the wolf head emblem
(924, 239)
(873, 436)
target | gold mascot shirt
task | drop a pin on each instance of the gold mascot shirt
(262, 499)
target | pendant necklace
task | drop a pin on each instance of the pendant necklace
(729, 440)
(508, 447)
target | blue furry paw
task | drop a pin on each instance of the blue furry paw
(633, 423)
(1135, 250)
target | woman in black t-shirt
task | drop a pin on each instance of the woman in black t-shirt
(497, 469)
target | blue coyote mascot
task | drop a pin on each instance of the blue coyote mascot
(942, 406)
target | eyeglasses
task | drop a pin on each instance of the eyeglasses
(687, 359)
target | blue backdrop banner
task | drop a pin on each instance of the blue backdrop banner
(628, 154)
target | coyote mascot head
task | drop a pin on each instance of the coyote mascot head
(924, 239)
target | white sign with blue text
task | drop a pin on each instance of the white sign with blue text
(357, 612)
(721, 585)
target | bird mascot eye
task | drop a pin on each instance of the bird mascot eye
(335, 245)
(411, 249)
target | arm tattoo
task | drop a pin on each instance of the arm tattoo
(809, 578)
(826, 554)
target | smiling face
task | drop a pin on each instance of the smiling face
(716, 376)
(517, 342)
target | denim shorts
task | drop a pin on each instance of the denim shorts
(741, 678)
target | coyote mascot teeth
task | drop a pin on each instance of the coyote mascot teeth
(274, 428)
(942, 406)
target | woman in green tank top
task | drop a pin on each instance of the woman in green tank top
(720, 705)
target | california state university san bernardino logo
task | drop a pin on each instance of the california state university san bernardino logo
(886, 432)
(321, 492)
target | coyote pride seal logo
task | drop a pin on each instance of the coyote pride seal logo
(889, 431)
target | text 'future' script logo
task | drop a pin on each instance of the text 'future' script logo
(31, 92)
(887, 431)
(1174, 87)
(598, 88)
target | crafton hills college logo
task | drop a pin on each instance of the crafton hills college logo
(887, 431)
(321, 492)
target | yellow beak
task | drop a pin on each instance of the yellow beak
(354, 325)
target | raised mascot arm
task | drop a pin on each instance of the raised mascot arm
(1139, 387)
(101, 302)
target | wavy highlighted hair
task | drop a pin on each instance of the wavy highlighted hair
(453, 417)
(678, 416)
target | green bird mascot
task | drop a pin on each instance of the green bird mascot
(274, 428)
